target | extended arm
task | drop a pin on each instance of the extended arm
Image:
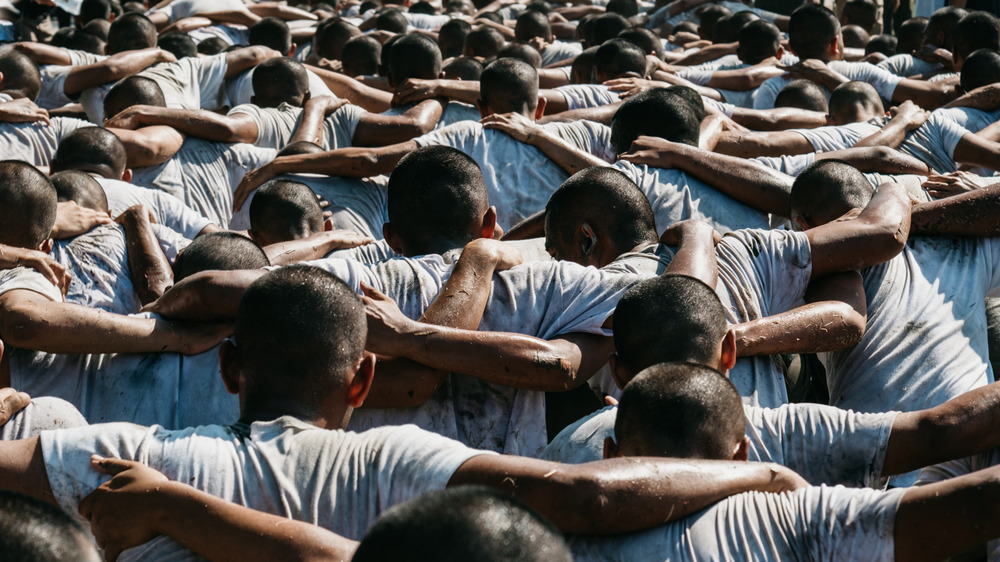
(42, 53)
(113, 68)
(199, 123)
(970, 214)
(374, 129)
(568, 157)
(247, 57)
(313, 247)
(772, 143)
(372, 99)
(778, 119)
(206, 296)
(876, 235)
(833, 319)
(748, 182)
(621, 495)
(879, 159)
(929, 95)
(149, 146)
(311, 123)
(975, 150)
(906, 118)
(986, 98)
(139, 503)
(151, 272)
(414, 90)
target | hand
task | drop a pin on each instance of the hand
(11, 257)
(162, 55)
(538, 43)
(784, 479)
(129, 118)
(514, 124)
(932, 54)
(652, 151)
(122, 510)
(913, 115)
(817, 71)
(503, 256)
(328, 103)
(386, 323)
(332, 65)
(23, 110)
(250, 182)
(73, 220)
(947, 185)
(415, 90)
(628, 87)
(136, 212)
(11, 402)
(688, 229)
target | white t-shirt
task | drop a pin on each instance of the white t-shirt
(36, 143)
(276, 125)
(882, 80)
(180, 9)
(580, 96)
(840, 137)
(761, 273)
(168, 210)
(42, 414)
(825, 445)
(30, 280)
(204, 174)
(338, 480)
(905, 65)
(817, 523)
(935, 141)
(356, 204)
(239, 89)
(190, 83)
(519, 177)
(558, 51)
(925, 339)
(232, 34)
(675, 196)
(53, 93)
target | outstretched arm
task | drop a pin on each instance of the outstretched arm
(380, 130)
(880, 159)
(970, 214)
(313, 247)
(247, 57)
(976, 150)
(113, 68)
(621, 495)
(199, 123)
(772, 143)
(311, 123)
(151, 271)
(568, 157)
(906, 117)
(748, 182)
(778, 119)
(372, 99)
(206, 296)
(149, 146)
(139, 503)
(876, 235)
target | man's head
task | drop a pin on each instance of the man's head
(463, 523)
(607, 26)
(483, 41)
(463, 68)
(802, 94)
(283, 210)
(727, 29)
(911, 34)
(273, 33)
(886, 44)
(414, 56)
(331, 36)
(854, 102)
(391, 20)
(597, 215)
(861, 13)
(670, 318)
(708, 17)
(618, 58)
(34, 531)
(451, 37)
(81, 188)
(657, 112)
(299, 347)
(854, 36)
(437, 201)
(27, 206)
(19, 77)
(980, 69)
(582, 70)
(178, 44)
(523, 52)
(814, 33)
(361, 56)
(92, 149)
(939, 30)
(827, 190)
(532, 24)
(645, 39)
(510, 86)
(758, 40)
(134, 90)
(219, 251)
(280, 80)
(130, 32)
(977, 30)
(682, 410)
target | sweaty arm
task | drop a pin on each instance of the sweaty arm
(31, 321)
(247, 57)
(199, 123)
(206, 296)
(833, 319)
(929, 95)
(778, 119)
(313, 247)
(621, 495)
(772, 143)
(371, 99)
(151, 271)
(976, 150)
(414, 90)
(149, 146)
(568, 157)
(878, 159)
(877, 234)
(374, 129)
(906, 118)
(113, 68)
(42, 53)
(139, 503)
(748, 182)
(973, 213)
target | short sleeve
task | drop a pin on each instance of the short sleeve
(174, 214)
(459, 136)
(23, 278)
(341, 126)
(211, 75)
(42, 414)
(349, 271)
(588, 136)
(776, 265)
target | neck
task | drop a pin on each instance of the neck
(275, 407)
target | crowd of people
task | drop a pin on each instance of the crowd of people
(499, 280)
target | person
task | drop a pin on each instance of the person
(277, 363)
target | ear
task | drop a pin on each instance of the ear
(328, 224)
(489, 223)
(255, 236)
(540, 108)
(779, 53)
(441, 75)
(618, 370)
(127, 175)
(742, 450)
(484, 110)
(829, 119)
(229, 366)
(359, 386)
(292, 50)
(391, 238)
(46, 246)
(801, 223)
(610, 448)
(588, 239)
(728, 356)
(306, 97)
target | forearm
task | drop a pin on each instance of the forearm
(221, 531)
(112, 69)
(891, 135)
(238, 17)
(961, 427)
(985, 98)
(462, 300)
(371, 99)
(280, 11)
(742, 79)
(43, 54)
(779, 119)
(812, 328)
(601, 114)
(695, 257)
(759, 187)
(206, 296)
(149, 146)
(151, 271)
(350, 162)
(624, 494)
(567, 157)
(750, 145)
(198, 123)
(878, 159)
(961, 215)
(929, 95)
(310, 127)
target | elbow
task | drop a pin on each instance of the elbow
(847, 328)
(558, 372)
(22, 327)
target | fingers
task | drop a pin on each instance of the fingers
(11, 402)
(610, 401)
(111, 467)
